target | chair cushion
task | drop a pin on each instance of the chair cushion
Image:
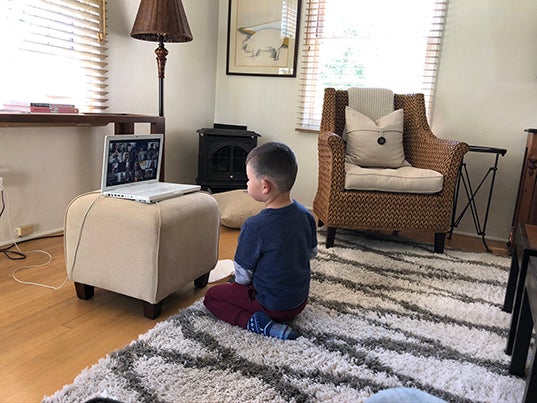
(236, 206)
(406, 179)
(374, 143)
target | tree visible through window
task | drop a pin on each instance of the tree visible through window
(54, 52)
(368, 43)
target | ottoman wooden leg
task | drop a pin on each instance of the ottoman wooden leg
(84, 291)
(152, 311)
(202, 281)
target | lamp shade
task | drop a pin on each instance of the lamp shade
(161, 20)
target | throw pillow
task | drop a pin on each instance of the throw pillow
(236, 206)
(374, 143)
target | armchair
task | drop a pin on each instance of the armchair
(337, 207)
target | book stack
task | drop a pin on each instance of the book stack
(37, 107)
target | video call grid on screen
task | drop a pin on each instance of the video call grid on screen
(132, 161)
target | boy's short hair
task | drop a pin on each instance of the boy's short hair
(275, 161)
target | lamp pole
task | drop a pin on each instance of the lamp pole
(161, 53)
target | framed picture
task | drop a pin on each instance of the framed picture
(262, 38)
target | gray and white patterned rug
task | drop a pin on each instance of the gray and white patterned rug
(382, 314)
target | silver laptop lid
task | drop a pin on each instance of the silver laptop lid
(131, 159)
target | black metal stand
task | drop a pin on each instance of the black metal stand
(471, 193)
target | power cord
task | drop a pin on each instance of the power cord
(10, 254)
(19, 254)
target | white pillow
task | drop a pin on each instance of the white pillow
(364, 139)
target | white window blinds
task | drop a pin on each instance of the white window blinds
(54, 52)
(368, 43)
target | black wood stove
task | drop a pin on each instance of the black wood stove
(222, 156)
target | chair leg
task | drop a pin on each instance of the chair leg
(152, 311)
(330, 236)
(202, 280)
(84, 291)
(439, 242)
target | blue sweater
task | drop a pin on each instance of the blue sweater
(275, 248)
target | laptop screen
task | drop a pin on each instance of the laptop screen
(131, 158)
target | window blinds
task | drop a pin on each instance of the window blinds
(58, 52)
(368, 43)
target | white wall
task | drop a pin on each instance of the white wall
(487, 91)
(45, 168)
(267, 105)
(189, 83)
(487, 95)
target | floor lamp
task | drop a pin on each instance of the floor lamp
(161, 21)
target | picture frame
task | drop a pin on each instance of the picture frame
(262, 37)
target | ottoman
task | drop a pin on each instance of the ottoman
(145, 251)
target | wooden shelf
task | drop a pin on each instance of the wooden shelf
(124, 122)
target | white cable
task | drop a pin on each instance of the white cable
(79, 237)
(32, 251)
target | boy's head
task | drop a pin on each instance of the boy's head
(275, 162)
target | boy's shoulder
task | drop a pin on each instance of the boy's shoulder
(270, 213)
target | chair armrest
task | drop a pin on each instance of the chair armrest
(331, 149)
(430, 152)
(442, 155)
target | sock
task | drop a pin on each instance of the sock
(261, 323)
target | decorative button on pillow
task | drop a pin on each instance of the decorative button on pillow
(374, 143)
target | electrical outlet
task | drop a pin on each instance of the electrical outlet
(24, 230)
(1, 184)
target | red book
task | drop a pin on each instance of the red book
(53, 109)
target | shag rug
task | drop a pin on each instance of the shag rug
(383, 313)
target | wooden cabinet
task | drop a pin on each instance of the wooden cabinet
(526, 204)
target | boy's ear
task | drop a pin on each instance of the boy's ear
(267, 186)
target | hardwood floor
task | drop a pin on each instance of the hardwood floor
(48, 336)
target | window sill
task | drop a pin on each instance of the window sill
(307, 130)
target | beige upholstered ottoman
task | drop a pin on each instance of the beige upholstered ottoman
(145, 251)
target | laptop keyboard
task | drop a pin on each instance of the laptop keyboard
(149, 189)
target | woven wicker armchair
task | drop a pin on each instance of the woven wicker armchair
(337, 207)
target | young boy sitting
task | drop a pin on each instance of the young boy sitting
(272, 260)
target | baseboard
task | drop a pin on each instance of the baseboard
(474, 235)
(34, 235)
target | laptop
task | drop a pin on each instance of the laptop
(131, 169)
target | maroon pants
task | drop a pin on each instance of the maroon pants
(235, 303)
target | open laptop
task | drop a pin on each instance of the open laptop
(131, 169)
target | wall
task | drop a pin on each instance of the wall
(267, 105)
(486, 95)
(45, 168)
(487, 91)
(189, 83)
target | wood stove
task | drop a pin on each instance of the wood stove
(222, 156)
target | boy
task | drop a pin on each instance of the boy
(272, 261)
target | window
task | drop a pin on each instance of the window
(56, 52)
(368, 43)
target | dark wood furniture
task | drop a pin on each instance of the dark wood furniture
(123, 122)
(526, 203)
(526, 321)
(524, 247)
(222, 157)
